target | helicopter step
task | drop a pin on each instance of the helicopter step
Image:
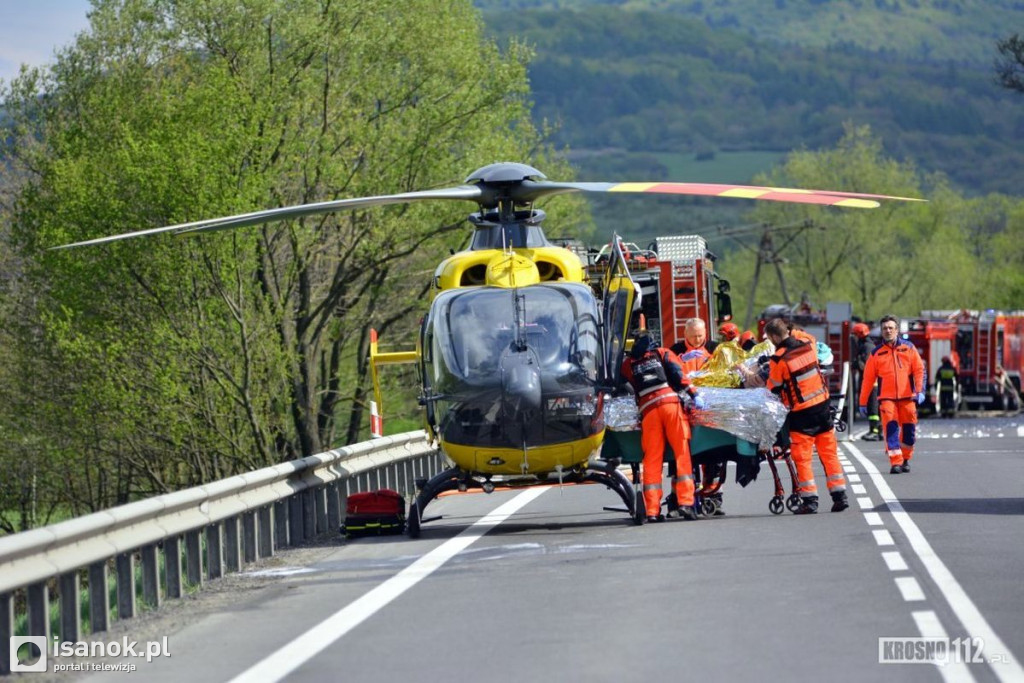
(454, 478)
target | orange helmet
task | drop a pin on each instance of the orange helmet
(729, 331)
(861, 331)
(746, 336)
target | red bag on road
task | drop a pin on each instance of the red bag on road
(374, 513)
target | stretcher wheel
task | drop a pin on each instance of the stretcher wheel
(793, 502)
(708, 507)
(775, 505)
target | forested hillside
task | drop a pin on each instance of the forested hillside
(687, 82)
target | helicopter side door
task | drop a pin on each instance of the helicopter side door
(619, 295)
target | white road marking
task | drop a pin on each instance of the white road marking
(1008, 668)
(853, 477)
(849, 468)
(910, 588)
(865, 503)
(873, 518)
(858, 489)
(290, 657)
(930, 627)
(883, 537)
(894, 561)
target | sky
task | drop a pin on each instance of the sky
(32, 30)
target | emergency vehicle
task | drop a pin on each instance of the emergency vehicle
(982, 342)
(677, 280)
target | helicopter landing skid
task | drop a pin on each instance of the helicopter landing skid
(600, 472)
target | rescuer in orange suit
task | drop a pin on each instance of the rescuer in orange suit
(897, 368)
(864, 346)
(796, 378)
(694, 351)
(729, 332)
(656, 375)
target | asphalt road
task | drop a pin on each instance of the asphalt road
(545, 585)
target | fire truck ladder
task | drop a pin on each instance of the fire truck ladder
(983, 368)
(685, 303)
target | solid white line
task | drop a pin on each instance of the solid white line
(873, 518)
(910, 588)
(894, 561)
(930, 627)
(1008, 668)
(290, 657)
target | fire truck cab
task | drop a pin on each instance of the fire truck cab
(677, 281)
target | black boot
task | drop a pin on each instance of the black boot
(895, 469)
(808, 506)
(839, 501)
(906, 466)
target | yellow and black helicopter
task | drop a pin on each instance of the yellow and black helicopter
(517, 347)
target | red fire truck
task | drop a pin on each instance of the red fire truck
(677, 279)
(984, 342)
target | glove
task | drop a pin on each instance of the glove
(699, 402)
(863, 410)
(920, 398)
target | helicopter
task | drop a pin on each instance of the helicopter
(517, 349)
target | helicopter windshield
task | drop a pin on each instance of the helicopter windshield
(479, 337)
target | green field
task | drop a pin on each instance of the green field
(725, 167)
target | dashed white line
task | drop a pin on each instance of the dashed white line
(873, 518)
(853, 477)
(858, 489)
(1008, 668)
(883, 537)
(865, 503)
(894, 561)
(909, 588)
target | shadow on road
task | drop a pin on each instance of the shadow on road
(967, 506)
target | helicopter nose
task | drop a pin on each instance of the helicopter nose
(521, 383)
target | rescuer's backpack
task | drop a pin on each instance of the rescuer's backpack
(374, 513)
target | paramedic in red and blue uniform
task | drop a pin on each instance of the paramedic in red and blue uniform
(895, 365)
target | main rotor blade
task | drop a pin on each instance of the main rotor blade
(531, 190)
(257, 217)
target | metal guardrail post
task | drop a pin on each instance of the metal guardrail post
(333, 508)
(99, 601)
(265, 531)
(320, 494)
(232, 549)
(125, 569)
(6, 631)
(295, 534)
(249, 537)
(281, 524)
(150, 574)
(214, 557)
(70, 617)
(172, 566)
(193, 558)
(39, 610)
(308, 513)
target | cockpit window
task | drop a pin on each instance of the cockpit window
(558, 324)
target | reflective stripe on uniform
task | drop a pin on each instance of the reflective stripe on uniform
(652, 487)
(685, 477)
(657, 387)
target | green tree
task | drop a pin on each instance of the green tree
(199, 357)
(1010, 63)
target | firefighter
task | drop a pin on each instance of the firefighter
(656, 375)
(797, 379)
(946, 381)
(862, 349)
(897, 368)
(747, 340)
(728, 332)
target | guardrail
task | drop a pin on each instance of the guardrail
(243, 518)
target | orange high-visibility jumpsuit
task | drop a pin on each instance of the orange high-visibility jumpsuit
(662, 421)
(899, 373)
(796, 377)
